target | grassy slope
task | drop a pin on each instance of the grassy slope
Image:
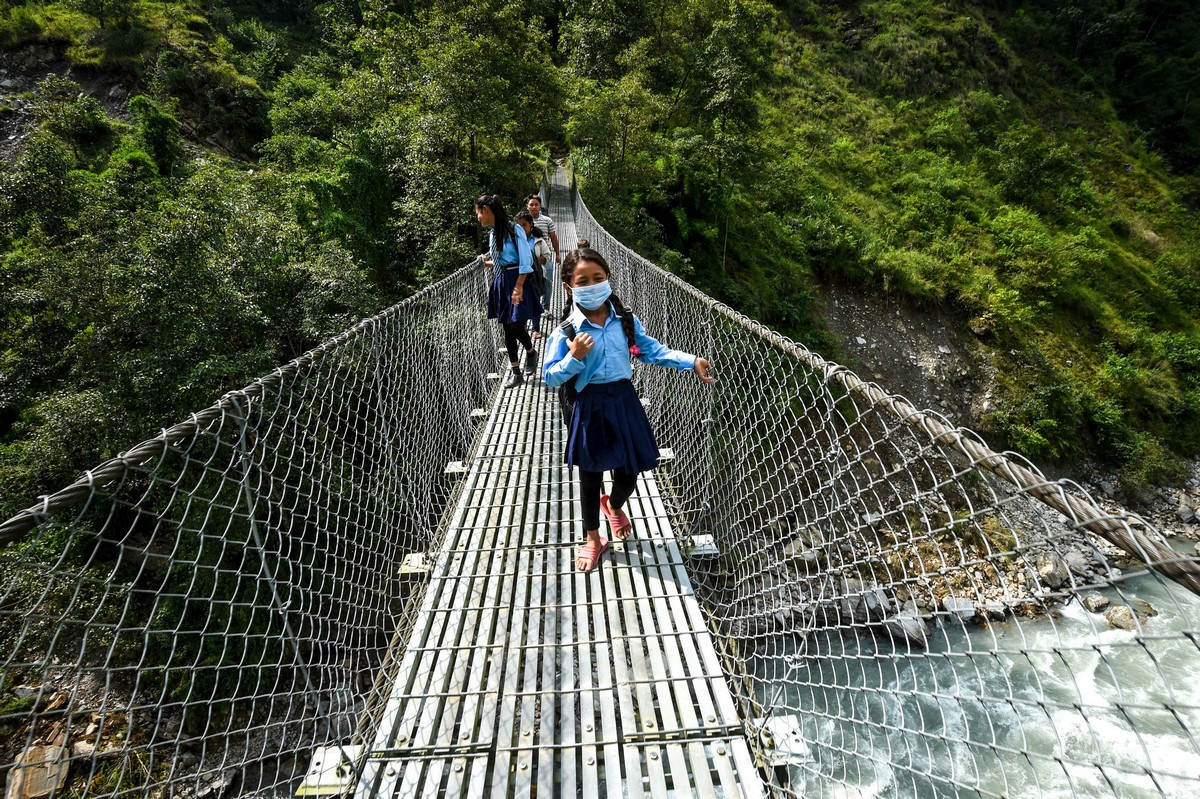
(926, 153)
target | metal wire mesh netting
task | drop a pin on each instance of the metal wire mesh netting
(196, 616)
(905, 612)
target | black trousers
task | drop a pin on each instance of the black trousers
(512, 334)
(591, 486)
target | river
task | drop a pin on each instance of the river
(1058, 706)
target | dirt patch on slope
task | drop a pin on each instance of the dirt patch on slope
(21, 70)
(924, 355)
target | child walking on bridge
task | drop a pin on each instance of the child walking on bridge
(607, 429)
(511, 262)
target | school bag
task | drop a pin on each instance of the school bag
(538, 279)
(567, 391)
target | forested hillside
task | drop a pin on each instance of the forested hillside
(197, 191)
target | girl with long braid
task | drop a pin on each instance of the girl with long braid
(608, 429)
(511, 261)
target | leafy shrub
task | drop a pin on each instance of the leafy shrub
(17, 24)
(1031, 169)
(158, 132)
(78, 120)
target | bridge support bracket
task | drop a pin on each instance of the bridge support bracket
(702, 546)
(330, 773)
(455, 467)
(783, 741)
(416, 563)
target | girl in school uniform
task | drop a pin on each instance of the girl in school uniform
(608, 429)
(511, 261)
(543, 261)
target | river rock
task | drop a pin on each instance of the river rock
(38, 773)
(1051, 570)
(1122, 618)
(1095, 602)
(1143, 608)
(800, 549)
(1077, 562)
(908, 626)
(960, 607)
(876, 602)
(996, 611)
(1186, 513)
(214, 784)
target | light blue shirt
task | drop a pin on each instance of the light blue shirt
(609, 358)
(516, 251)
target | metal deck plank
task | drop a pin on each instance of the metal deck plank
(533, 638)
(591, 723)
(699, 713)
(655, 620)
(407, 666)
(626, 679)
(419, 722)
(531, 668)
(417, 772)
(434, 771)
(608, 693)
(648, 721)
(507, 737)
(488, 592)
(676, 708)
(726, 708)
(723, 765)
(449, 664)
(700, 771)
(743, 762)
(549, 697)
(503, 663)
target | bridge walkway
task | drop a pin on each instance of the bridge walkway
(522, 676)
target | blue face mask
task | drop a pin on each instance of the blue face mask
(591, 297)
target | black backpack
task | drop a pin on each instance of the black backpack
(538, 279)
(567, 391)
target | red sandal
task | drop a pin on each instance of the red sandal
(618, 522)
(592, 553)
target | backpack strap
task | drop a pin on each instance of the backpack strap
(568, 330)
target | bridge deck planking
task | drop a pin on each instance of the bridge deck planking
(524, 677)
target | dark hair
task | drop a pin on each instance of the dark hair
(583, 244)
(500, 224)
(537, 197)
(569, 263)
(534, 230)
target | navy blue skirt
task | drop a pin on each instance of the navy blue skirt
(609, 430)
(500, 299)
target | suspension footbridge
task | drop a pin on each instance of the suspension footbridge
(356, 577)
